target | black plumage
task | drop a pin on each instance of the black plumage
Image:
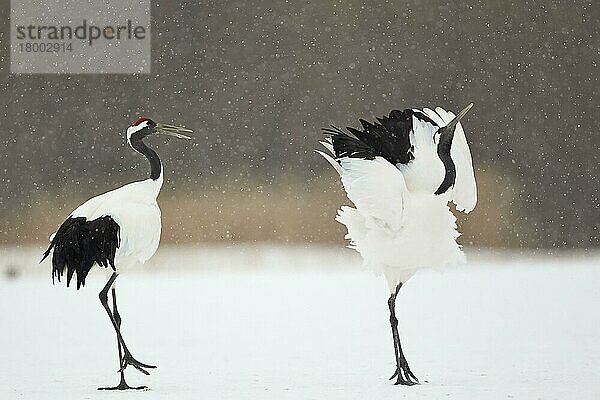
(80, 243)
(443, 151)
(388, 138)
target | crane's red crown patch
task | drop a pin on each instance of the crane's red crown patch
(139, 121)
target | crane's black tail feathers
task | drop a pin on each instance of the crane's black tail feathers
(79, 243)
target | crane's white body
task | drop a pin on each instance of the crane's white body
(398, 224)
(396, 231)
(134, 208)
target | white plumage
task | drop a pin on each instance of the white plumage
(114, 230)
(135, 209)
(398, 223)
(464, 193)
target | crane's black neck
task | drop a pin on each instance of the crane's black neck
(443, 150)
(139, 146)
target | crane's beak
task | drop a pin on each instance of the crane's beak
(447, 132)
(457, 119)
(172, 130)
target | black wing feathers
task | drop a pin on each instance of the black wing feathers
(79, 243)
(388, 138)
(345, 145)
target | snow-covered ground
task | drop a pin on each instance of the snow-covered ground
(294, 323)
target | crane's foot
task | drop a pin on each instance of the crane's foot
(124, 386)
(140, 366)
(404, 376)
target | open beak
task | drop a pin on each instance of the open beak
(458, 117)
(172, 130)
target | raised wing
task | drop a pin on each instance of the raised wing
(389, 138)
(376, 188)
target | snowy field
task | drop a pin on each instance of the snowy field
(294, 323)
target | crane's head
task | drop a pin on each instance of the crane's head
(144, 127)
(445, 137)
(446, 133)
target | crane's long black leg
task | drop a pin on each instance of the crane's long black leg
(127, 358)
(122, 384)
(403, 373)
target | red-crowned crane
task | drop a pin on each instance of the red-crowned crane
(115, 230)
(401, 172)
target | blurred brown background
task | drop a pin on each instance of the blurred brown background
(257, 80)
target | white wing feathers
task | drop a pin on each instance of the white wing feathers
(327, 144)
(464, 193)
(376, 188)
